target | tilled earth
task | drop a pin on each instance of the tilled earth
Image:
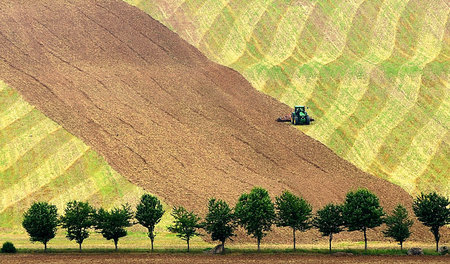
(164, 116)
(245, 258)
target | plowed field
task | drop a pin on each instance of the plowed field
(162, 114)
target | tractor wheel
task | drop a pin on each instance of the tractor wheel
(295, 121)
(308, 120)
(292, 119)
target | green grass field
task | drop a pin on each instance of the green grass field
(375, 74)
(137, 241)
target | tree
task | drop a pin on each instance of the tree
(329, 220)
(433, 211)
(111, 224)
(219, 222)
(41, 222)
(148, 213)
(293, 212)
(185, 224)
(77, 219)
(362, 211)
(255, 212)
(398, 225)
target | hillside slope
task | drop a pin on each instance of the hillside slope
(41, 161)
(162, 114)
(375, 74)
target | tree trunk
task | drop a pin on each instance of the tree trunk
(365, 239)
(115, 243)
(223, 247)
(152, 243)
(437, 245)
(401, 245)
(293, 234)
(152, 238)
(331, 238)
(436, 237)
(80, 246)
(259, 243)
(188, 244)
(45, 246)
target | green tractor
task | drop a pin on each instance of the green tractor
(300, 116)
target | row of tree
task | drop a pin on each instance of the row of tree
(254, 211)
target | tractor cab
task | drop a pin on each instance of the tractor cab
(299, 109)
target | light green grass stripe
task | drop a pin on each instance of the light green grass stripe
(260, 39)
(288, 32)
(81, 170)
(236, 42)
(253, 62)
(383, 41)
(20, 126)
(129, 193)
(403, 96)
(17, 147)
(214, 39)
(80, 192)
(435, 177)
(33, 158)
(336, 32)
(301, 87)
(356, 82)
(206, 15)
(14, 112)
(265, 32)
(7, 98)
(52, 168)
(422, 150)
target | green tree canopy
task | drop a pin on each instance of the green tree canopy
(77, 219)
(329, 220)
(398, 225)
(111, 224)
(148, 213)
(219, 222)
(256, 213)
(294, 212)
(41, 222)
(185, 224)
(362, 211)
(433, 210)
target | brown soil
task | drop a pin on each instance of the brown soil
(165, 117)
(186, 258)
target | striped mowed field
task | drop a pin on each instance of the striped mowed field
(375, 74)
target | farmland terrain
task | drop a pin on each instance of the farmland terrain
(160, 113)
(375, 74)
